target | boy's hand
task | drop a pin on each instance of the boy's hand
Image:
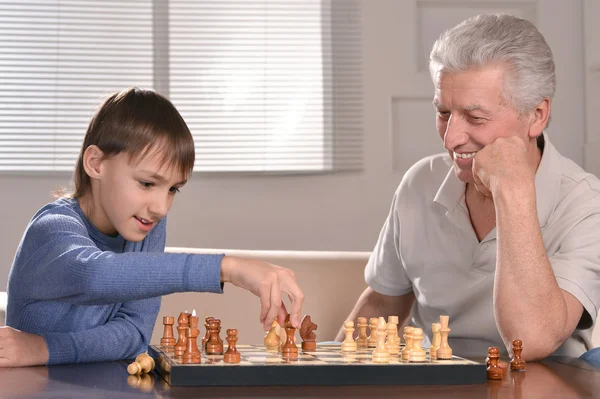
(266, 281)
(19, 349)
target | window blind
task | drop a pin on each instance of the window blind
(58, 60)
(268, 86)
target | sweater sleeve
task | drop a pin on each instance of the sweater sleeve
(65, 264)
(125, 336)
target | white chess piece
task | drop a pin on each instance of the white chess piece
(349, 345)
(380, 354)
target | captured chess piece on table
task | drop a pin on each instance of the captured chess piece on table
(143, 364)
(517, 363)
(494, 372)
(309, 338)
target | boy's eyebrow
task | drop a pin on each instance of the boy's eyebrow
(160, 178)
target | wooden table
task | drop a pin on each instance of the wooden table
(552, 378)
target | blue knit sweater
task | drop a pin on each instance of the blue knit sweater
(94, 297)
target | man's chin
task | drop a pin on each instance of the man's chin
(463, 175)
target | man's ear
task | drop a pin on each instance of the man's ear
(92, 161)
(540, 116)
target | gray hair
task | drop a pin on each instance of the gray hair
(500, 38)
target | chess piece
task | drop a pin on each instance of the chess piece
(168, 339)
(143, 382)
(309, 338)
(362, 340)
(213, 346)
(494, 372)
(380, 354)
(435, 341)
(272, 340)
(232, 355)
(372, 340)
(192, 353)
(444, 351)
(282, 336)
(349, 345)
(393, 340)
(207, 335)
(417, 353)
(143, 364)
(289, 350)
(407, 341)
(517, 363)
(182, 325)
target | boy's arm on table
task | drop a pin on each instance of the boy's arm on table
(123, 337)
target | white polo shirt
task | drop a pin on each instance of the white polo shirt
(428, 245)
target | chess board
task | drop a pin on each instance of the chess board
(325, 366)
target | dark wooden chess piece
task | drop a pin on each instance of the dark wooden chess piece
(192, 354)
(213, 346)
(232, 355)
(309, 338)
(494, 372)
(517, 363)
(289, 350)
(207, 335)
(182, 325)
(168, 339)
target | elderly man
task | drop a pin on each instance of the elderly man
(502, 233)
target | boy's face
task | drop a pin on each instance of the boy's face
(132, 197)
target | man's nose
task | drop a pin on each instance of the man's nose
(456, 133)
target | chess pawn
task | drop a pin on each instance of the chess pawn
(417, 354)
(207, 335)
(435, 341)
(182, 325)
(407, 342)
(362, 342)
(168, 339)
(272, 340)
(494, 372)
(213, 346)
(444, 351)
(517, 363)
(372, 340)
(392, 345)
(349, 345)
(289, 350)
(380, 354)
(143, 364)
(232, 355)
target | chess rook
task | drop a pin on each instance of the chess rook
(168, 339)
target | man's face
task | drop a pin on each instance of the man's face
(133, 197)
(472, 113)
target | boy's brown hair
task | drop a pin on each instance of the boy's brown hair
(137, 122)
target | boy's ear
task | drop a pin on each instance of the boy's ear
(92, 161)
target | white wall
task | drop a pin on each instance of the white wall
(327, 212)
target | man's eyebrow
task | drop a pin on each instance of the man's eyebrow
(161, 178)
(437, 104)
(477, 107)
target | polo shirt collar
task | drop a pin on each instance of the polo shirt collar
(547, 185)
